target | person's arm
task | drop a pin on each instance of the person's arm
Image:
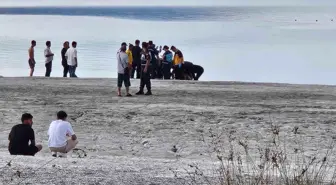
(148, 62)
(10, 134)
(32, 138)
(75, 53)
(66, 55)
(71, 133)
(47, 53)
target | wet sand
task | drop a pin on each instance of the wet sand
(130, 140)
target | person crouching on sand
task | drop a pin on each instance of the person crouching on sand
(64, 60)
(71, 57)
(31, 60)
(146, 59)
(62, 138)
(123, 69)
(20, 136)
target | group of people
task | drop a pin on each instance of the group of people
(147, 64)
(69, 58)
(168, 66)
(62, 138)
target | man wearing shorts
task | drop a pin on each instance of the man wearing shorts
(21, 135)
(62, 138)
(123, 70)
(31, 60)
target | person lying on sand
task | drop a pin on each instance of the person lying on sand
(62, 138)
(20, 136)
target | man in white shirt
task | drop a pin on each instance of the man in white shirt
(123, 70)
(49, 56)
(71, 56)
(62, 138)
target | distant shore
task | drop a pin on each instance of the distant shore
(130, 140)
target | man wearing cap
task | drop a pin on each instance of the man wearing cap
(123, 69)
(21, 135)
(167, 63)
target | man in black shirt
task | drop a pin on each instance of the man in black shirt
(64, 60)
(136, 65)
(191, 69)
(20, 136)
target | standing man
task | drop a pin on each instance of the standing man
(177, 63)
(123, 69)
(49, 56)
(136, 65)
(146, 59)
(130, 58)
(21, 135)
(62, 138)
(167, 62)
(31, 60)
(64, 60)
(154, 54)
(71, 57)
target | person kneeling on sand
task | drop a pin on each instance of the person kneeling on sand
(20, 136)
(58, 132)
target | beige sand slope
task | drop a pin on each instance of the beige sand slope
(129, 140)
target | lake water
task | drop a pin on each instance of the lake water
(260, 44)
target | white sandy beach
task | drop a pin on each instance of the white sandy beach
(129, 140)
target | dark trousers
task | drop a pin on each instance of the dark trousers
(72, 71)
(48, 69)
(145, 79)
(199, 71)
(136, 66)
(178, 72)
(166, 70)
(65, 69)
(153, 71)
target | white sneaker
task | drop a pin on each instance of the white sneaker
(62, 155)
(54, 154)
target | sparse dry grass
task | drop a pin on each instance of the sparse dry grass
(274, 164)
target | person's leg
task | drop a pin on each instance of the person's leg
(32, 150)
(138, 70)
(71, 144)
(127, 83)
(134, 65)
(148, 82)
(48, 69)
(71, 71)
(142, 82)
(74, 71)
(199, 72)
(120, 80)
(66, 70)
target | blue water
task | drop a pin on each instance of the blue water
(231, 43)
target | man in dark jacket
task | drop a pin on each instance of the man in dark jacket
(64, 60)
(154, 53)
(136, 65)
(191, 69)
(21, 135)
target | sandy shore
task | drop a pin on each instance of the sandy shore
(130, 140)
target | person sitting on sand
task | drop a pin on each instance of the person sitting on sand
(20, 136)
(123, 70)
(177, 63)
(31, 60)
(62, 138)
